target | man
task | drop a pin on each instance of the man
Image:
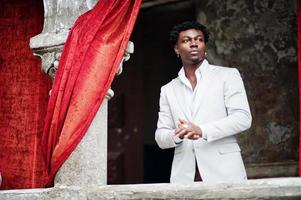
(200, 112)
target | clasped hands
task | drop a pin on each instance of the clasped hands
(188, 130)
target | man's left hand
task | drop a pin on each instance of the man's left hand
(188, 130)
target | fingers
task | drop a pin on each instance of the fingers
(184, 133)
(187, 130)
(192, 135)
(182, 121)
(196, 136)
(184, 126)
(180, 132)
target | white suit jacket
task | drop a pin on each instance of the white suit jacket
(221, 110)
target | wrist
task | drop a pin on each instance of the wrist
(176, 139)
(200, 131)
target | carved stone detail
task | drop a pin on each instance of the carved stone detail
(109, 94)
(129, 50)
(50, 59)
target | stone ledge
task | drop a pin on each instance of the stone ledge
(273, 169)
(46, 40)
(275, 188)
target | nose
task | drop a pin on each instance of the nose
(194, 43)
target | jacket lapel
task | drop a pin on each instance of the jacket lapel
(204, 87)
(178, 97)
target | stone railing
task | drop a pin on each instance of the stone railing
(260, 189)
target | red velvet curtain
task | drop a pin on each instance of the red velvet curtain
(23, 94)
(90, 59)
(299, 64)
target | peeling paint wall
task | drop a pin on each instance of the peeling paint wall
(260, 39)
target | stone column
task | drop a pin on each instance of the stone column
(59, 17)
(87, 165)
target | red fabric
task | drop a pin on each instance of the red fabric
(299, 64)
(23, 94)
(90, 59)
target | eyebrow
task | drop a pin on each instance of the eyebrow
(193, 37)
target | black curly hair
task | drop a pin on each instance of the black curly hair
(175, 31)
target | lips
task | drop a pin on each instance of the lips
(194, 52)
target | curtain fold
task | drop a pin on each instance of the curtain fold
(299, 64)
(89, 61)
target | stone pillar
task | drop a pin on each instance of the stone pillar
(59, 17)
(87, 165)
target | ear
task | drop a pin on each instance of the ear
(176, 49)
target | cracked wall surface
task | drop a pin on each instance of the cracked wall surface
(260, 39)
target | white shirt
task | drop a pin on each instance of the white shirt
(189, 93)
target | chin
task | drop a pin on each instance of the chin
(196, 61)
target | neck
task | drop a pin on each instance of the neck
(189, 69)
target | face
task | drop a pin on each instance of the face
(191, 46)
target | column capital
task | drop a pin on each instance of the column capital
(50, 59)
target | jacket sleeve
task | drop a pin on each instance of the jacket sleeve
(238, 112)
(164, 134)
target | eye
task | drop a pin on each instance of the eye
(200, 39)
(185, 41)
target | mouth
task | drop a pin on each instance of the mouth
(194, 52)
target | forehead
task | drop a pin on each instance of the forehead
(191, 33)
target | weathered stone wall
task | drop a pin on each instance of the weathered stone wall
(259, 38)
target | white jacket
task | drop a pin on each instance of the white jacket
(221, 110)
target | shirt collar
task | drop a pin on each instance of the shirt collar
(199, 72)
